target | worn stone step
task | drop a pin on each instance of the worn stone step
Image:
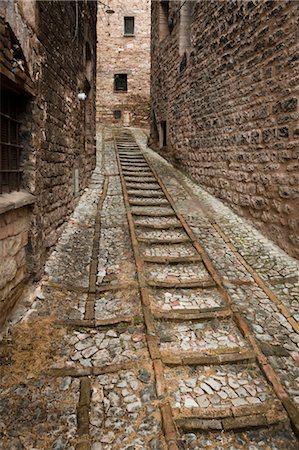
(137, 174)
(148, 202)
(152, 213)
(144, 186)
(145, 193)
(173, 250)
(192, 314)
(159, 226)
(222, 392)
(139, 179)
(134, 164)
(178, 275)
(163, 241)
(135, 160)
(172, 259)
(211, 342)
(186, 301)
(181, 284)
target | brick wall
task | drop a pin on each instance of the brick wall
(119, 54)
(228, 92)
(57, 50)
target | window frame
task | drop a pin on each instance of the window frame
(117, 114)
(126, 83)
(129, 34)
(11, 149)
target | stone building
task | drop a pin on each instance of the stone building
(48, 52)
(123, 63)
(225, 104)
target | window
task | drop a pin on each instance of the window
(163, 133)
(186, 15)
(164, 28)
(129, 26)
(117, 114)
(121, 82)
(10, 148)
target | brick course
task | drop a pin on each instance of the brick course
(232, 112)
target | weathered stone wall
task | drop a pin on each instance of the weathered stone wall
(119, 54)
(231, 106)
(14, 228)
(58, 42)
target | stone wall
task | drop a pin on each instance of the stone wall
(57, 44)
(120, 54)
(14, 229)
(225, 81)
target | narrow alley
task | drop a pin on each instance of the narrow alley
(163, 320)
(149, 225)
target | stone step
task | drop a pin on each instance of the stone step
(145, 193)
(157, 223)
(166, 250)
(144, 186)
(203, 283)
(148, 202)
(223, 393)
(139, 179)
(172, 259)
(145, 213)
(178, 275)
(209, 342)
(168, 302)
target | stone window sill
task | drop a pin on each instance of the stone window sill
(129, 35)
(15, 200)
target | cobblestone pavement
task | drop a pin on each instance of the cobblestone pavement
(162, 321)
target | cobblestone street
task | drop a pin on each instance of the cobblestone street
(163, 321)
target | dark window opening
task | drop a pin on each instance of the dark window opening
(183, 63)
(164, 133)
(129, 26)
(155, 131)
(164, 20)
(121, 82)
(117, 114)
(10, 146)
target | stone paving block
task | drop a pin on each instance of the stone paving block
(186, 299)
(123, 411)
(105, 346)
(200, 338)
(39, 413)
(113, 304)
(217, 388)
